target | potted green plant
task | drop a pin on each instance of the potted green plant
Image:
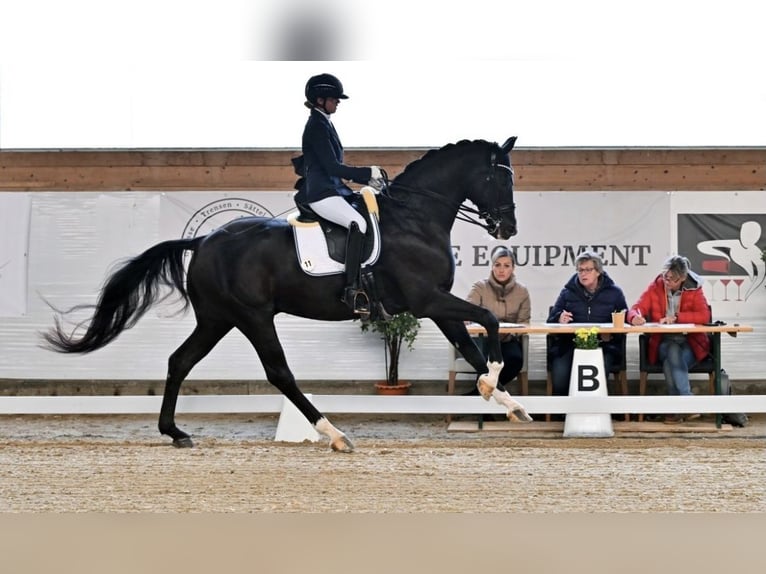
(397, 332)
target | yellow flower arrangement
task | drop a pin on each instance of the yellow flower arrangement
(586, 338)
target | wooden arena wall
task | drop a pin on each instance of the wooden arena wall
(549, 169)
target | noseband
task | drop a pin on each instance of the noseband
(495, 216)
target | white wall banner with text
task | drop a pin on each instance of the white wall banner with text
(15, 213)
(631, 232)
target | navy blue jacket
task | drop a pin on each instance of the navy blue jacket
(596, 308)
(323, 167)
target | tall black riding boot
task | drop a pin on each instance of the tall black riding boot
(353, 296)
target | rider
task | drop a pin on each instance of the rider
(323, 187)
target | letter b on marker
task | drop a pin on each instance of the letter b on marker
(587, 378)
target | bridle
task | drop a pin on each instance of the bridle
(490, 218)
(495, 216)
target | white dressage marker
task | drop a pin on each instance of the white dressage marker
(588, 379)
(293, 426)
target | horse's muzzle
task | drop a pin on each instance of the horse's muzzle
(504, 232)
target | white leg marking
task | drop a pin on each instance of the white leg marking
(338, 440)
(326, 428)
(488, 381)
(516, 411)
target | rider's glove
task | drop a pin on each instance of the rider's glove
(377, 181)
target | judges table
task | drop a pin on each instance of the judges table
(714, 330)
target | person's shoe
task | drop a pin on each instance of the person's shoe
(673, 419)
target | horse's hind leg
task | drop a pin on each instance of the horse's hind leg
(263, 336)
(192, 351)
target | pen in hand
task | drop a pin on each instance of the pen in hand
(638, 318)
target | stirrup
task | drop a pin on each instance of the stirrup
(358, 300)
(361, 304)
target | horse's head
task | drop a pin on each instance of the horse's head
(478, 171)
(495, 198)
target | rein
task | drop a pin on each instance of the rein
(464, 213)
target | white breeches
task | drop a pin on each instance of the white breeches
(338, 210)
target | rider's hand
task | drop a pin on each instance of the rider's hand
(377, 181)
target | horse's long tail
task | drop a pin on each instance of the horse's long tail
(127, 294)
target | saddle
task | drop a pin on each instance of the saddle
(321, 245)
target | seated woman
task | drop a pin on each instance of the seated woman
(509, 301)
(674, 296)
(590, 296)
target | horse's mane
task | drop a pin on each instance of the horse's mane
(429, 155)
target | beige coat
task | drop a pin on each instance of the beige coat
(510, 302)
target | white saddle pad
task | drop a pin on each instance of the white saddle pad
(311, 246)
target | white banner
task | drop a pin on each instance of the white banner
(125, 224)
(198, 213)
(631, 232)
(15, 213)
(634, 231)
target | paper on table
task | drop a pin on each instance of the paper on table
(502, 325)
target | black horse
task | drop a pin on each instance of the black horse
(244, 273)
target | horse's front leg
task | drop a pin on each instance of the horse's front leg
(515, 411)
(451, 318)
(489, 378)
(458, 335)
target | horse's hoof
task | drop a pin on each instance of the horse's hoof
(342, 444)
(519, 416)
(485, 389)
(184, 442)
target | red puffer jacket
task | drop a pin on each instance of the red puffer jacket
(693, 308)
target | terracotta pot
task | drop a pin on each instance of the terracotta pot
(384, 388)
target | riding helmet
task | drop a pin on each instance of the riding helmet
(324, 86)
